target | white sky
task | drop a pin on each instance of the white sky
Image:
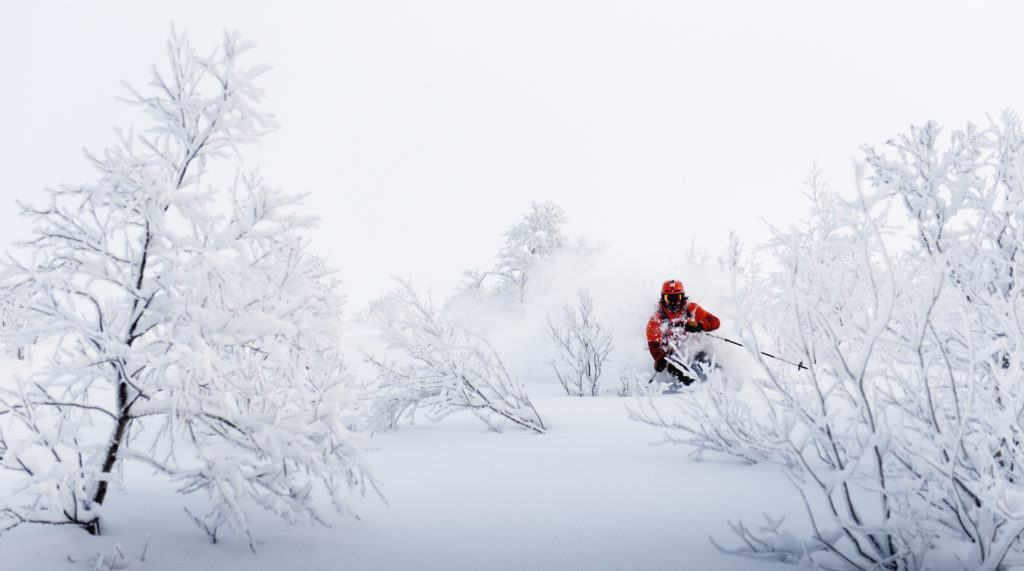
(422, 130)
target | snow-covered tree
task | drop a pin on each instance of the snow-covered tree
(442, 367)
(532, 240)
(190, 328)
(583, 346)
(904, 436)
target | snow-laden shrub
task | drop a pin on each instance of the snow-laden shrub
(190, 330)
(904, 436)
(634, 382)
(441, 367)
(583, 346)
(533, 240)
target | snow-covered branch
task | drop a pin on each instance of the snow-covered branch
(442, 367)
(904, 436)
(182, 316)
(583, 346)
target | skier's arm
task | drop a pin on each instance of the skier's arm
(654, 338)
(707, 321)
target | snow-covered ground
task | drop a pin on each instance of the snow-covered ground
(594, 492)
(598, 490)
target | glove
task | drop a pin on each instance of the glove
(693, 327)
(660, 364)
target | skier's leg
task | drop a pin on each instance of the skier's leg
(702, 365)
(681, 376)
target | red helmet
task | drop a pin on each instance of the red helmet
(672, 286)
(673, 295)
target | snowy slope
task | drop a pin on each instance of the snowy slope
(595, 491)
(592, 493)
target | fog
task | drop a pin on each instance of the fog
(421, 131)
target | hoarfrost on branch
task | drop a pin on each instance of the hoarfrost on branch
(190, 328)
(904, 436)
(442, 367)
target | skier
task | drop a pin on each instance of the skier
(676, 317)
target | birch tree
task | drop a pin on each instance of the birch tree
(188, 327)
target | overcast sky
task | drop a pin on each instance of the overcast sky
(422, 130)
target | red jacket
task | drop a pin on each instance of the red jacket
(666, 328)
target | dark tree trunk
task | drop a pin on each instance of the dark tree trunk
(124, 418)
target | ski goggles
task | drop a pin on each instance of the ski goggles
(673, 298)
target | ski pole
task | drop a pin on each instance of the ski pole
(799, 365)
